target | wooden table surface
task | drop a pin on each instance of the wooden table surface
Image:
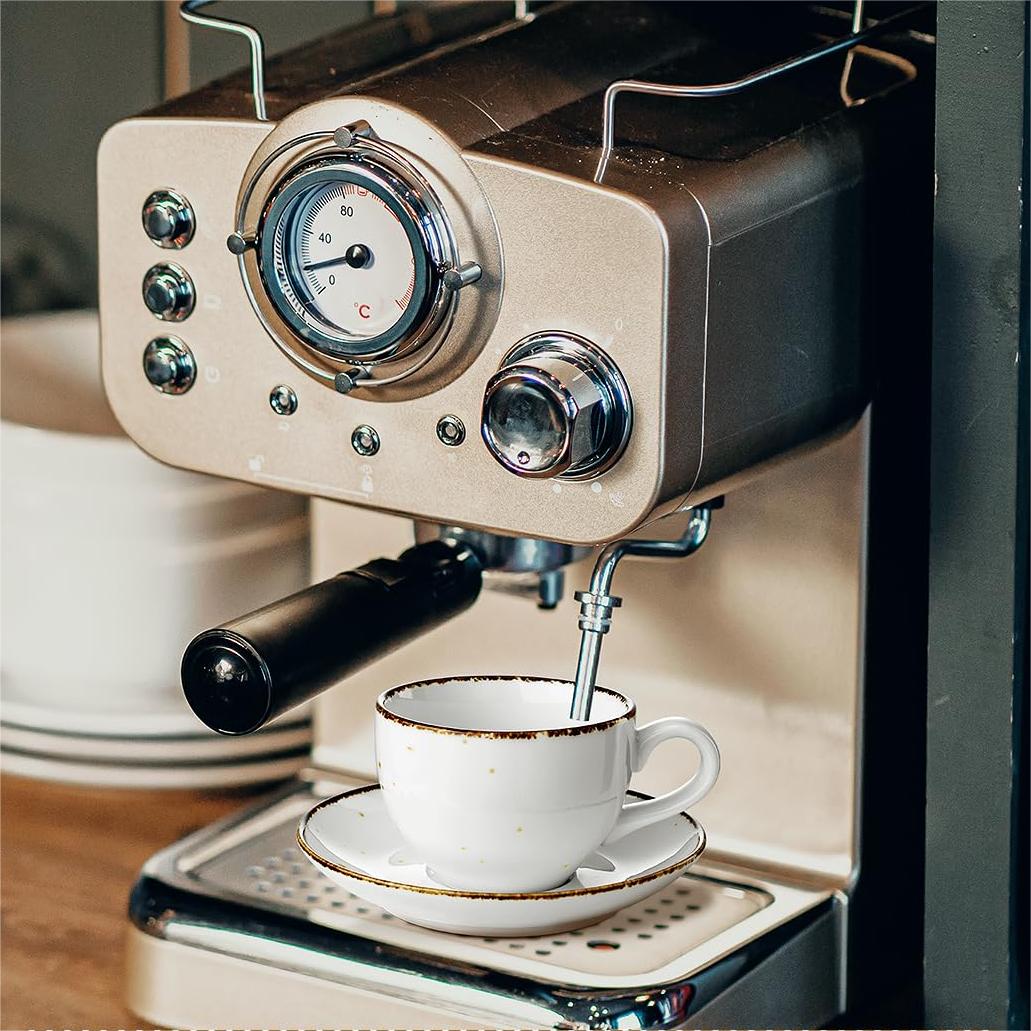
(69, 858)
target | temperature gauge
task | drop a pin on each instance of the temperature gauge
(353, 254)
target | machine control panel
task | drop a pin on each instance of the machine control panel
(371, 314)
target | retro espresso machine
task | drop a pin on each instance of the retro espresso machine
(517, 280)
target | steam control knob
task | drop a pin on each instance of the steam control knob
(168, 219)
(168, 292)
(558, 406)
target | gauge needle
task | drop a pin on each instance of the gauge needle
(357, 256)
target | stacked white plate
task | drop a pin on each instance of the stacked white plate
(146, 752)
(111, 563)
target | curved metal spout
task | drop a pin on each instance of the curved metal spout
(596, 604)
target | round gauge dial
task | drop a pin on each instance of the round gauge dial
(351, 255)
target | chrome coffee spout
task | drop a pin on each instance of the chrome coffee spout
(597, 604)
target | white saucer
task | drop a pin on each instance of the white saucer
(353, 841)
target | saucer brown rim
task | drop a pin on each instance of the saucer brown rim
(507, 896)
(508, 678)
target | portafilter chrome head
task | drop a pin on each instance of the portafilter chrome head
(523, 566)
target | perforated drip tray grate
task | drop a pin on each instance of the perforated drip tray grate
(242, 891)
(268, 869)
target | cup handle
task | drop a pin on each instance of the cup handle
(647, 738)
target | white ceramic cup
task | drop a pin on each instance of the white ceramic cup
(494, 788)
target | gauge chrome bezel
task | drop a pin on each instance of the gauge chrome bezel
(423, 220)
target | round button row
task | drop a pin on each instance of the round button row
(365, 440)
(168, 220)
(170, 368)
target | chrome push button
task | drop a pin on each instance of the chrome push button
(169, 365)
(168, 219)
(168, 292)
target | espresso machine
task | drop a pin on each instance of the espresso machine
(514, 294)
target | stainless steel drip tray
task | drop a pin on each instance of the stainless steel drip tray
(243, 889)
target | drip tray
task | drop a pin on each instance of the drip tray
(243, 888)
(633, 943)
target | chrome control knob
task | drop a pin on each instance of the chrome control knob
(558, 406)
(168, 219)
(168, 292)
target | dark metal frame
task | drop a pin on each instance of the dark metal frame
(975, 933)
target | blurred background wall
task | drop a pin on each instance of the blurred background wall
(71, 68)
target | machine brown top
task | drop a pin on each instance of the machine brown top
(464, 67)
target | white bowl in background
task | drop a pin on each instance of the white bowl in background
(112, 562)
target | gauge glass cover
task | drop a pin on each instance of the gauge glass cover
(346, 256)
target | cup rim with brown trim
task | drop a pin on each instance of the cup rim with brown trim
(572, 730)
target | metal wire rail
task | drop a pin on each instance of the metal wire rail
(723, 89)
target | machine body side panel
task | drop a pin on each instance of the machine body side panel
(785, 360)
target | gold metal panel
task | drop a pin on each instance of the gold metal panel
(558, 237)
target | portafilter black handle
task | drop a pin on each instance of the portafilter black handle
(241, 675)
